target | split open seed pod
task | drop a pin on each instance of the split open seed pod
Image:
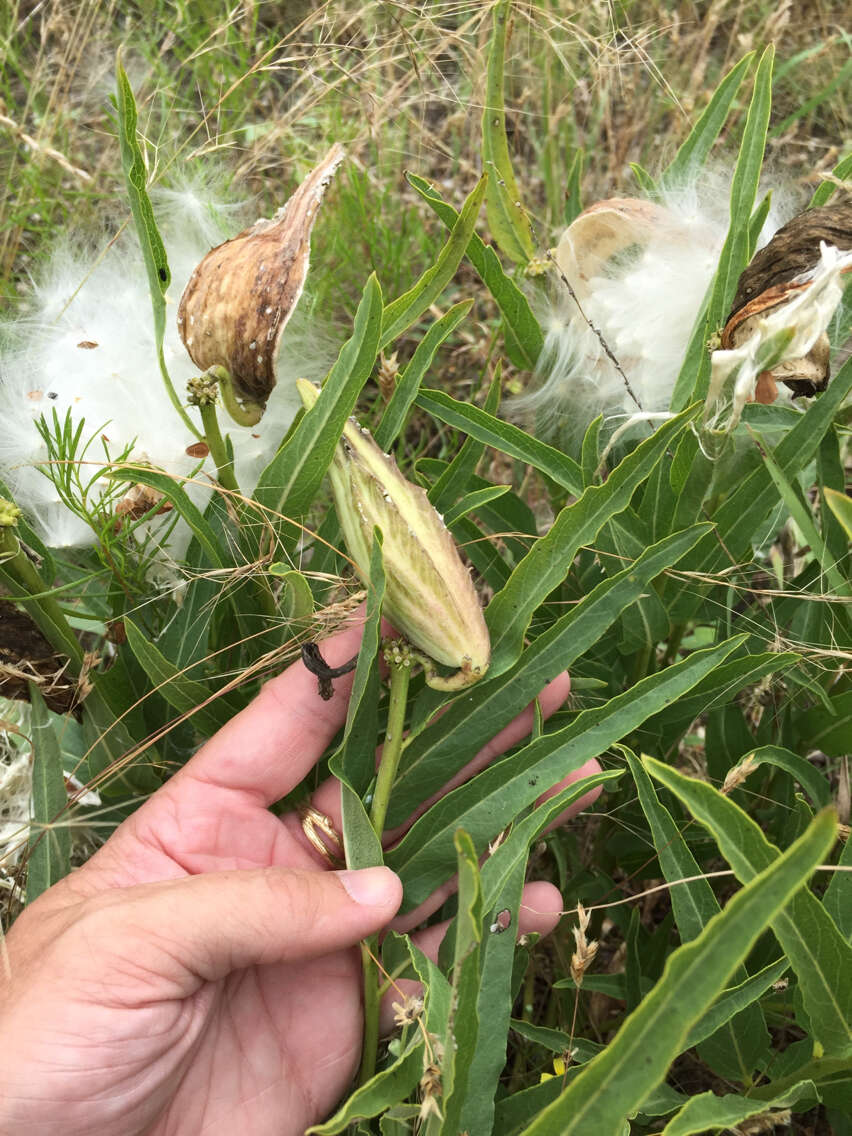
(777, 274)
(596, 242)
(429, 595)
(238, 300)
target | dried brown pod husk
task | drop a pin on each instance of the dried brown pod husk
(240, 297)
(26, 656)
(776, 274)
(141, 499)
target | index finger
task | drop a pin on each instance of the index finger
(269, 747)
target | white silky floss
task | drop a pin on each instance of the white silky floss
(87, 346)
(640, 271)
(804, 318)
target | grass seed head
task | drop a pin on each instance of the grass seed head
(584, 949)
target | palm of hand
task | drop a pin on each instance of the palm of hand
(200, 1018)
(261, 1044)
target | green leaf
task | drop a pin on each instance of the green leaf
(720, 687)
(525, 332)
(150, 241)
(485, 805)
(502, 881)
(114, 763)
(573, 188)
(694, 152)
(473, 502)
(395, 1083)
(808, 776)
(735, 251)
(841, 172)
(296, 600)
(818, 953)
(460, 1039)
(406, 390)
(165, 484)
(190, 697)
(503, 436)
(735, 1051)
(548, 561)
(733, 1001)
(289, 484)
(455, 477)
(644, 180)
(408, 308)
(49, 849)
(385, 1089)
(841, 506)
(613, 1085)
(506, 216)
(707, 1111)
(792, 497)
(827, 728)
(136, 175)
(743, 511)
(838, 895)
(355, 761)
(433, 756)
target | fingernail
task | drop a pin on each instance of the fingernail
(371, 887)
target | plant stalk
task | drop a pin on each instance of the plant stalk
(172, 393)
(218, 449)
(400, 674)
(45, 611)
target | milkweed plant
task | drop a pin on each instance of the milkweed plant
(661, 510)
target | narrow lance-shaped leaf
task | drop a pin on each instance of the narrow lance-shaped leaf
(150, 241)
(49, 857)
(406, 390)
(524, 336)
(613, 1085)
(188, 695)
(735, 252)
(431, 758)
(708, 1112)
(461, 1038)
(736, 1049)
(820, 956)
(503, 436)
(548, 561)
(506, 217)
(354, 764)
(408, 308)
(495, 797)
(290, 482)
(695, 150)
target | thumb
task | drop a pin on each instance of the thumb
(208, 925)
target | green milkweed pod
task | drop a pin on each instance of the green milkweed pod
(429, 596)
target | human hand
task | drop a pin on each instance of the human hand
(199, 973)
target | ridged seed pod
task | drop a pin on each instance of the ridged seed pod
(429, 597)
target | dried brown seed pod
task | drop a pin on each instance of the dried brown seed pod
(776, 274)
(240, 297)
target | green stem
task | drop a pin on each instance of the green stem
(227, 479)
(172, 393)
(45, 611)
(673, 645)
(372, 1001)
(218, 449)
(388, 765)
(243, 413)
(392, 749)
